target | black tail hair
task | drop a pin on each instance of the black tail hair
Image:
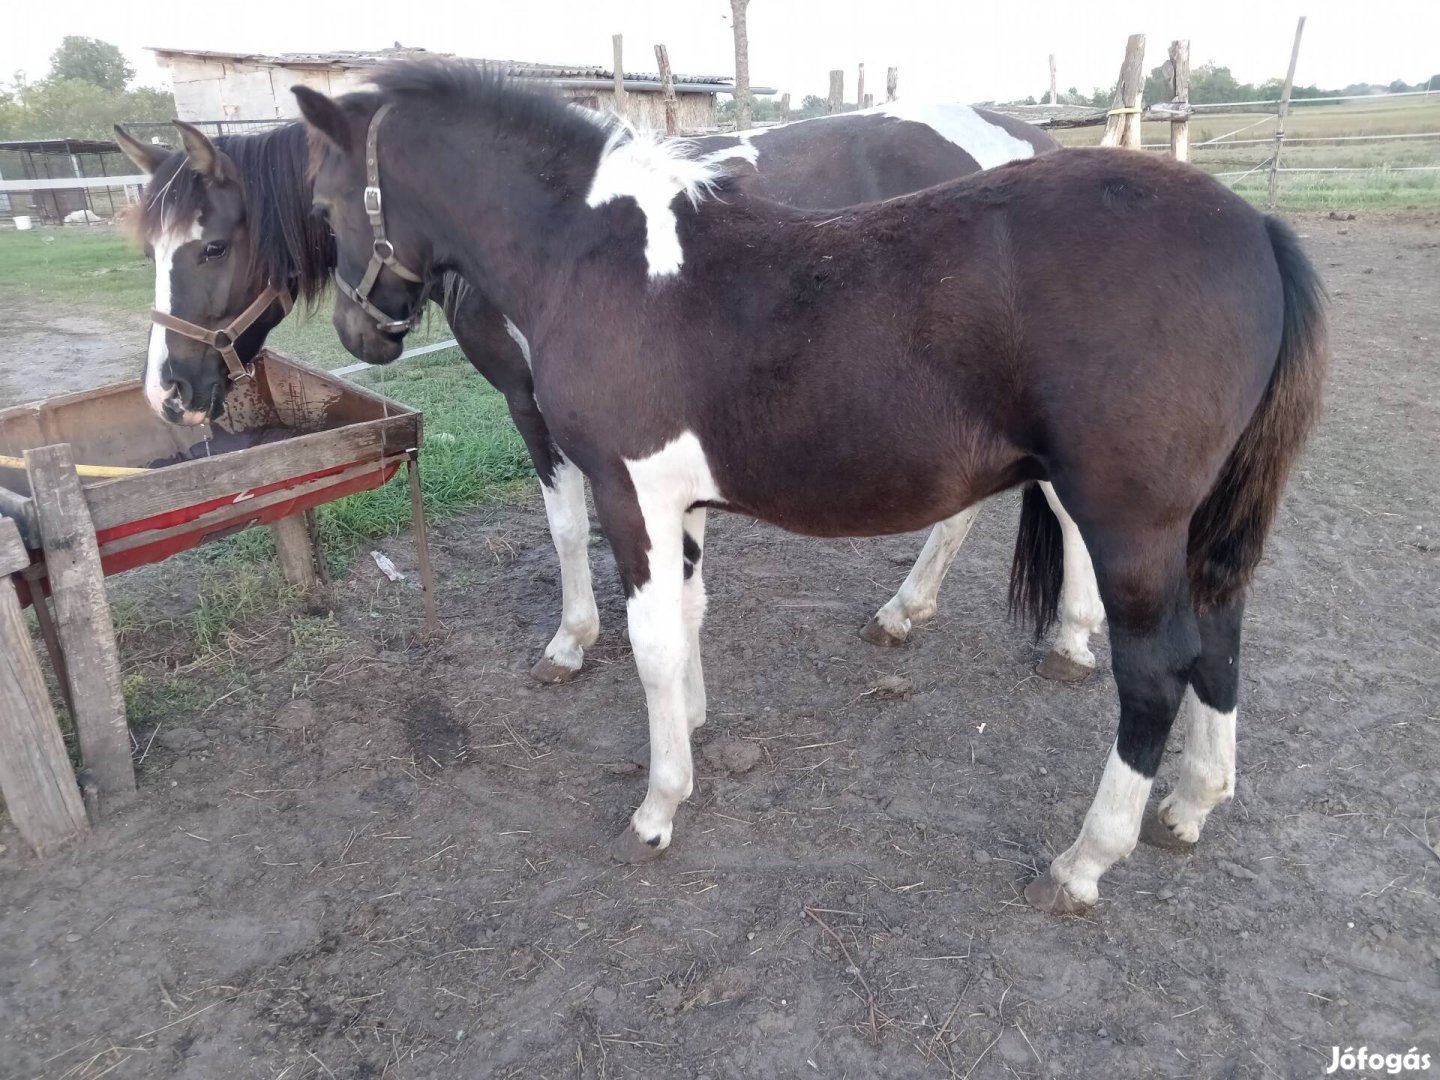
(1038, 568)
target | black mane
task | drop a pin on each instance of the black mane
(474, 88)
(288, 240)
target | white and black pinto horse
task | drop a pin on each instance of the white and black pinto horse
(229, 218)
(1120, 325)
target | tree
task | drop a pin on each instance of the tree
(74, 109)
(812, 105)
(742, 64)
(91, 61)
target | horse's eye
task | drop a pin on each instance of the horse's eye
(216, 249)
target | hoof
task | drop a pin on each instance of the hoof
(629, 848)
(876, 634)
(1157, 834)
(1061, 669)
(547, 671)
(1048, 895)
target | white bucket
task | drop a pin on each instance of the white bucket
(22, 222)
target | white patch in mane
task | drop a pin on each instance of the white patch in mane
(988, 143)
(746, 151)
(519, 339)
(639, 166)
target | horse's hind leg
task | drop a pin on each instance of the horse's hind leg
(1081, 612)
(579, 618)
(915, 602)
(693, 605)
(1207, 765)
(1153, 644)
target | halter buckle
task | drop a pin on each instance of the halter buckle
(372, 199)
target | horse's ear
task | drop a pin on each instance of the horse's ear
(148, 157)
(322, 114)
(205, 159)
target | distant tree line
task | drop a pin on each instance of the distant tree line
(85, 93)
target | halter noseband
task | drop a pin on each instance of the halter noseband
(223, 340)
(382, 252)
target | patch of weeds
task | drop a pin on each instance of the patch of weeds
(314, 640)
(150, 700)
(227, 599)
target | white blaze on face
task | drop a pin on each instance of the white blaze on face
(166, 247)
(635, 165)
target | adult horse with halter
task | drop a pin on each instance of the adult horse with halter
(235, 242)
(867, 371)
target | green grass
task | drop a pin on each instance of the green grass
(100, 266)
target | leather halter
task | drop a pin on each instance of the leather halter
(223, 340)
(382, 251)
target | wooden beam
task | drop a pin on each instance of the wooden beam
(1122, 128)
(72, 563)
(1284, 111)
(1180, 100)
(297, 554)
(422, 547)
(892, 80)
(667, 91)
(743, 101)
(36, 780)
(837, 92)
(617, 46)
(860, 88)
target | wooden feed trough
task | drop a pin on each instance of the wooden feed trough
(291, 439)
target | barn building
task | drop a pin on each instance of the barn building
(225, 90)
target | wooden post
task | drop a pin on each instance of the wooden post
(860, 89)
(785, 106)
(1284, 111)
(837, 92)
(422, 546)
(667, 91)
(72, 563)
(1122, 127)
(297, 553)
(1180, 100)
(36, 780)
(742, 65)
(1054, 91)
(617, 45)
(892, 80)
(869, 100)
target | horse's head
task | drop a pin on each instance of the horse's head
(214, 303)
(379, 296)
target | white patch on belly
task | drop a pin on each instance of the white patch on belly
(166, 247)
(519, 339)
(636, 165)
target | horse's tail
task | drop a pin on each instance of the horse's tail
(1038, 568)
(1227, 532)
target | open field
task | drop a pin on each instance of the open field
(355, 854)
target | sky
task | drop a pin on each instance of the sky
(945, 49)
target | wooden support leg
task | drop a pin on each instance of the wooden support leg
(422, 547)
(297, 553)
(35, 775)
(72, 563)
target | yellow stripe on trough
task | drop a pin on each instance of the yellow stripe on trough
(7, 462)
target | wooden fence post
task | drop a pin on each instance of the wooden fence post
(36, 780)
(837, 91)
(860, 89)
(742, 65)
(785, 106)
(667, 91)
(1054, 92)
(617, 46)
(1122, 127)
(1284, 111)
(72, 565)
(892, 80)
(1180, 100)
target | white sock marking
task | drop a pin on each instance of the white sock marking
(915, 602)
(1081, 612)
(667, 483)
(1110, 831)
(166, 246)
(638, 166)
(694, 604)
(1207, 769)
(570, 529)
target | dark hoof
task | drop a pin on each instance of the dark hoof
(1157, 834)
(549, 672)
(876, 634)
(629, 848)
(1058, 668)
(1048, 895)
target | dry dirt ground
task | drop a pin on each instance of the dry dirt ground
(386, 859)
(57, 349)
